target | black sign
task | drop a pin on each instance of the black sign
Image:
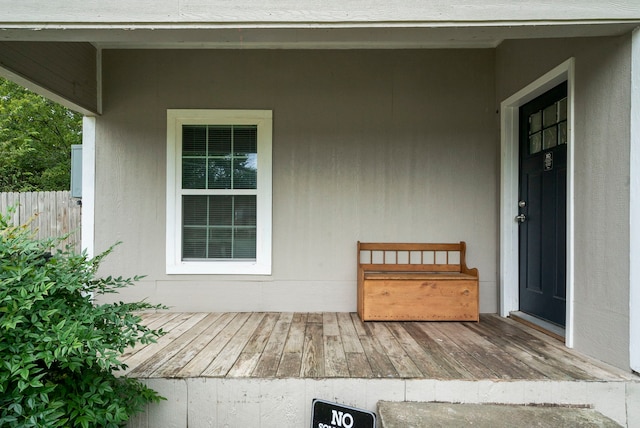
(331, 415)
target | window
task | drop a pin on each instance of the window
(548, 126)
(219, 191)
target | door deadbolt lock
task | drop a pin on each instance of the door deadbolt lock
(522, 204)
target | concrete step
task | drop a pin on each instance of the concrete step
(418, 415)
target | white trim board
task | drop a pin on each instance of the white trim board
(509, 171)
(634, 207)
(88, 183)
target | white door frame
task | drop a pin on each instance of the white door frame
(509, 182)
(634, 211)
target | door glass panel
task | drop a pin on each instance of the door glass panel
(548, 127)
(549, 137)
(535, 122)
(562, 109)
(562, 133)
(535, 143)
(550, 115)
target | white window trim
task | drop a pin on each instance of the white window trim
(175, 119)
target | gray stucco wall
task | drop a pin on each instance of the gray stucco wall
(602, 104)
(367, 145)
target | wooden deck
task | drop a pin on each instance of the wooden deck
(339, 345)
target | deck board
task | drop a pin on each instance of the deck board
(291, 359)
(313, 351)
(335, 359)
(270, 358)
(340, 345)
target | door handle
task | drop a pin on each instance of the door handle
(521, 218)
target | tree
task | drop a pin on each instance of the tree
(36, 135)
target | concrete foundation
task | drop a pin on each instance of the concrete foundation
(216, 402)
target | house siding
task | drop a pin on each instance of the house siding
(367, 145)
(602, 145)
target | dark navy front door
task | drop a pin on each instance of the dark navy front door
(542, 205)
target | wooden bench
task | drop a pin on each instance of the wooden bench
(416, 282)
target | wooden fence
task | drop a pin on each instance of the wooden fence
(51, 214)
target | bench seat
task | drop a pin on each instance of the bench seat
(416, 282)
(420, 276)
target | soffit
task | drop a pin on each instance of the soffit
(312, 36)
(301, 12)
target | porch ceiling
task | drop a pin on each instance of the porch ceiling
(373, 35)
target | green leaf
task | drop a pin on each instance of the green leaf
(24, 373)
(16, 408)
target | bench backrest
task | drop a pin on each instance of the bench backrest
(410, 257)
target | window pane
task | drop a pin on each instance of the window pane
(221, 210)
(219, 140)
(194, 210)
(549, 137)
(535, 122)
(562, 133)
(535, 143)
(245, 210)
(220, 243)
(245, 140)
(244, 243)
(194, 173)
(219, 173)
(194, 139)
(245, 172)
(194, 242)
(562, 109)
(550, 115)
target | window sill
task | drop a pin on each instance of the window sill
(218, 268)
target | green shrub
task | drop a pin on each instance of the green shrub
(59, 352)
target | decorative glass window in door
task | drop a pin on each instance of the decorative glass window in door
(548, 127)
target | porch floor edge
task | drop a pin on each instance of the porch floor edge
(209, 402)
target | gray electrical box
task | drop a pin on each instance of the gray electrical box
(76, 170)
